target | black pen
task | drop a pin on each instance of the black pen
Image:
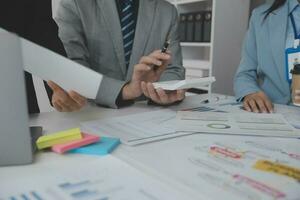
(165, 48)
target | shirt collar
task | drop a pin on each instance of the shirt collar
(293, 4)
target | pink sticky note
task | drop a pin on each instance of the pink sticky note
(86, 140)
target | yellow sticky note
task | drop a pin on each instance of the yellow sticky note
(278, 168)
(58, 138)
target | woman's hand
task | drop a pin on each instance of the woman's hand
(258, 102)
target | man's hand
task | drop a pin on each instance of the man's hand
(144, 71)
(66, 101)
(258, 102)
(160, 96)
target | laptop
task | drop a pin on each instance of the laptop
(15, 138)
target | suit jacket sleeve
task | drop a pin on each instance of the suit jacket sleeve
(175, 70)
(72, 35)
(246, 81)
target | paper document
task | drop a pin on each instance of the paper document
(138, 128)
(228, 167)
(290, 113)
(104, 179)
(184, 84)
(273, 125)
(68, 74)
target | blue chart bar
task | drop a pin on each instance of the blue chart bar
(84, 194)
(31, 196)
(24, 197)
(70, 186)
(36, 195)
(105, 198)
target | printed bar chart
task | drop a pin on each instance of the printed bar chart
(33, 195)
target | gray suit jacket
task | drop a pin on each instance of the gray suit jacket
(91, 33)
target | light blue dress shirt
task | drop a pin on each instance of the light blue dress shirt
(294, 7)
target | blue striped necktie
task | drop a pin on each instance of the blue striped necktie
(128, 27)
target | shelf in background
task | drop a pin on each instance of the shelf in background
(182, 2)
(195, 74)
(205, 88)
(195, 44)
(197, 64)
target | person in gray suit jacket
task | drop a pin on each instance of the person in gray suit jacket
(121, 40)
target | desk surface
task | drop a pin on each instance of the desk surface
(143, 157)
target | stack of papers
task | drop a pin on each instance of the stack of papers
(163, 124)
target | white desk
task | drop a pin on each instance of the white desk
(144, 157)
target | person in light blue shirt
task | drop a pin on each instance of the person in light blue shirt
(261, 77)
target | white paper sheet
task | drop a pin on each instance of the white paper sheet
(103, 178)
(269, 125)
(138, 128)
(68, 74)
(184, 84)
(222, 167)
(290, 113)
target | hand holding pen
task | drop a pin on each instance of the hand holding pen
(160, 96)
(148, 70)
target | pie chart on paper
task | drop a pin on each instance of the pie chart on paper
(218, 126)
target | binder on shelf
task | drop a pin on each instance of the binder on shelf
(190, 27)
(182, 27)
(207, 26)
(198, 27)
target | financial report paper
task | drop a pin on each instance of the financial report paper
(269, 125)
(137, 128)
(103, 178)
(227, 167)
